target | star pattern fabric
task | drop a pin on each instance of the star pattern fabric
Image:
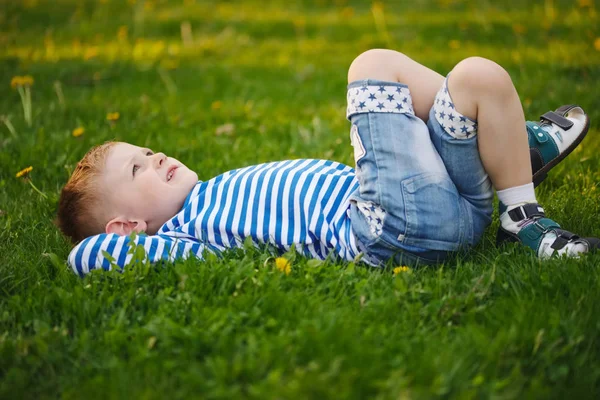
(379, 98)
(374, 215)
(454, 123)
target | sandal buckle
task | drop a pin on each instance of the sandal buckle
(542, 227)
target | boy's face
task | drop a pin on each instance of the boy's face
(145, 189)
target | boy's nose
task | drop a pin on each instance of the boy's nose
(159, 159)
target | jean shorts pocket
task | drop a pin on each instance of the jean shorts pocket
(433, 212)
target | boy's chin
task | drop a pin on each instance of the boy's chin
(193, 177)
(188, 178)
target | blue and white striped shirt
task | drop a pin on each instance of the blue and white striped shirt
(298, 202)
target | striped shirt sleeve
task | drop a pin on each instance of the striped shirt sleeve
(107, 251)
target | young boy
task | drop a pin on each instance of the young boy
(428, 151)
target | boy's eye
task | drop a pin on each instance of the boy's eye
(135, 168)
(150, 153)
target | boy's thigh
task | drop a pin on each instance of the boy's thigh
(406, 200)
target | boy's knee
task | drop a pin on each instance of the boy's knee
(375, 64)
(481, 75)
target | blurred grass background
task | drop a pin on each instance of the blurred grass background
(225, 84)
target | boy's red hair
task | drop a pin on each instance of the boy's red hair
(78, 215)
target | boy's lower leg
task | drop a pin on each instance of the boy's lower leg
(483, 91)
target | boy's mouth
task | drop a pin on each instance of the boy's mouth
(171, 172)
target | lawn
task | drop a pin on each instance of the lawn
(226, 84)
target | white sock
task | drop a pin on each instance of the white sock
(517, 194)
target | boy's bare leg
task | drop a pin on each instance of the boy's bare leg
(483, 91)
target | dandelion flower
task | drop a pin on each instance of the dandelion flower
(283, 265)
(90, 52)
(216, 105)
(78, 131)
(23, 84)
(347, 12)
(112, 116)
(169, 64)
(27, 80)
(122, 32)
(519, 29)
(597, 44)
(403, 268)
(24, 172)
(16, 81)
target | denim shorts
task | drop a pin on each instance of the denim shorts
(423, 192)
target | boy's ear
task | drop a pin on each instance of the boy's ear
(123, 226)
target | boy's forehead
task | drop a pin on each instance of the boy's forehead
(121, 152)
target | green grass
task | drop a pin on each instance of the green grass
(495, 323)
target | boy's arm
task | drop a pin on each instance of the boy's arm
(105, 251)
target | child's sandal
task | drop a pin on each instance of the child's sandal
(555, 136)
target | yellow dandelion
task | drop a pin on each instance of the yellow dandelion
(90, 52)
(283, 265)
(403, 268)
(299, 22)
(16, 81)
(122, 32)
(377, 6)
(30, 3)
(347, 12)
(78, 131)
(216, 105)
(597, 44)
(454, 44)
(24, 172)
(112, 117)
(169, 64)
(519, 29)
(585, 3)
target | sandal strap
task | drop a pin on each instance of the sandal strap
(526, 211)
(562, 238)
(541, 142)
(555, 118)
(542, 147)
(532, 234)
(534, 129)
